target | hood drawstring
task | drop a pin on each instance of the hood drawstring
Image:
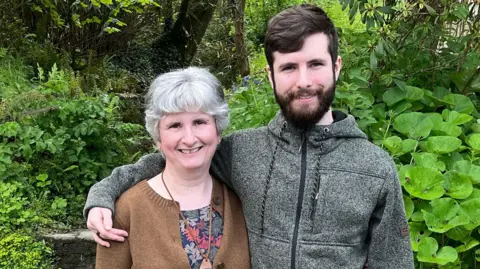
(316, 192)
(267, 182)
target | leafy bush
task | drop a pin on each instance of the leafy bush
(413, 91)
(252, 104)
(55, 143)
(21, 251)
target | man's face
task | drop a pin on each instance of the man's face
(304, 81)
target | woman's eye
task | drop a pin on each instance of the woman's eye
(174, 126)
(199, 122)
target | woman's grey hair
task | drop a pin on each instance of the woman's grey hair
(185, 90)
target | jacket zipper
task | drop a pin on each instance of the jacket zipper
(300, 199)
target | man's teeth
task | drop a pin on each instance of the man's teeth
(189, 150)
(304, 96)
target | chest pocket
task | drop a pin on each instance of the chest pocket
(342, 205)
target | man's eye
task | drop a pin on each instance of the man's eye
(287, 68)
(316, 64)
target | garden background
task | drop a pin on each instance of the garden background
(73, 74)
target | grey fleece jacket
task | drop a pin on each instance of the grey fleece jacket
(322, 198)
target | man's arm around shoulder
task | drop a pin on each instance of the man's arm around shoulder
(104, 193)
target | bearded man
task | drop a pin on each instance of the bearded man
(315, 192)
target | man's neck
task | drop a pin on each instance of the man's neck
(327, 119)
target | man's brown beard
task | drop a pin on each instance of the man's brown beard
(306, 119)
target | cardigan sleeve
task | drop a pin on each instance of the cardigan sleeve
(117, 256)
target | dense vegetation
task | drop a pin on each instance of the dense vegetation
(72, 75)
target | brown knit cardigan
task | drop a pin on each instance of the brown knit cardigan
(154, 239)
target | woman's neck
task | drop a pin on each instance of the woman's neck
(192, 189)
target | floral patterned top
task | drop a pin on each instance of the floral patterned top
(199, 222)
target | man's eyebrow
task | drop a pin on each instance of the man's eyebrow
(286, 64)
(317, 60)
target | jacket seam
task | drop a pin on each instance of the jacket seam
(335, 244)
(359, 172)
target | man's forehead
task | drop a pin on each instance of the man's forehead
(314, 47)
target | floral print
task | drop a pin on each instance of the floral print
(199, 222)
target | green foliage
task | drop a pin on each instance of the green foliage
(24, 252)
(55, 142)
(252, 104)
(413, 90)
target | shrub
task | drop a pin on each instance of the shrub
(21, 251)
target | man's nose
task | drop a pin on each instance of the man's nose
(304, 80)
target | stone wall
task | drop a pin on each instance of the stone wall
(74, 250)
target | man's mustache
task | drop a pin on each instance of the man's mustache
(303, 91)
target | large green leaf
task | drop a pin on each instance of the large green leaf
(396, 146)
(467, 245)
(418, 231)
(408, 145)
(468, 168)
(455, 118)
(436, 118)
(402, 171)
(393, 96)
(458, 233)
(472, 209)
(428, 252)
(425, 183)
(409, 206)
(443, 144)
(457, 185)
(460, 103)
(393, 144)
(474, 141)
(415, 125)
(446, 214)
(414, 93)
(447, 128)
(428, 160)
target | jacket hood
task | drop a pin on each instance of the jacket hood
(291, 137)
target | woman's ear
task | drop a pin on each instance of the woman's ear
(159, 145)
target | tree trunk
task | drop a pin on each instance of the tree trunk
(238, 11)
(176, 48)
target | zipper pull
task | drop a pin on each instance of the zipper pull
(304, 136)
(314, 208)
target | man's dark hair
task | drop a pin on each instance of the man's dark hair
(288, 30)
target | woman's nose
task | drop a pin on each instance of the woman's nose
(189, 136)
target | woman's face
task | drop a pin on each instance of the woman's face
(188, 139)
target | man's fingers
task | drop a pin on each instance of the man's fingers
(100, 241)
(119, 232)
(113, 234)
(107, 218)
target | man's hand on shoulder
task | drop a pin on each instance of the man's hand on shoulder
(99, 221)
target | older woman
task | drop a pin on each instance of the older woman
(181, 218)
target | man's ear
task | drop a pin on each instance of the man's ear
(269, 71)
(338, 67)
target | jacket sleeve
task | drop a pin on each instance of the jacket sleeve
(105, 192)
(389, 244)
(221, 167)
(117, 256)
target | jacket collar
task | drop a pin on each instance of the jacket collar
(325, 137)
